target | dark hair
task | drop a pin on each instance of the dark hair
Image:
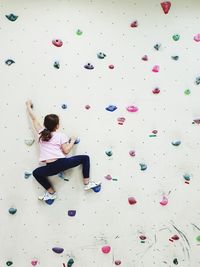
(50, 123)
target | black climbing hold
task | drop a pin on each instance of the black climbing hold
(157, 46)
(101, 55)
(9, 263)
(175, 57)
(12, 210)
(64, 106)
(9, 62)
(70, 262)
(56, 65)
(11, 17)
(175, 261)
(197, 80)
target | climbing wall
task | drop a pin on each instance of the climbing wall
(124, 77)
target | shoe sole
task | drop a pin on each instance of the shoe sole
(92, 187)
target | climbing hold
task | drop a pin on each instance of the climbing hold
(134, 24)
(121, 120)
(111, 67)
(175, 237)
(61, 175)
(70, 262)
(156, 91)
(157, 46)
(71, 213)
(56, 65)
(79, 32)
(175, 58)
(49, 201)
(89, 66)
(156, 68)
(187, 92)
(154, 131)
(77, 141)
(186, 176)
(9, 62)
(166, 6)
(197, 80)
(64, 106)
(132, 200)
(197, 121)
(87, 107)
(97, 188)
(11, 17)
(106, 249)
(198, 238)
(109, 153)
(108, 177)
(29, 141)
(9, 263)
(132, 108)
(164, 201)
(27, 174)
(132, 153)
(101, 55)
(142, 237)
(57, 42)
(34, 262)
(176, 37)
(58, 250)
(197, 37)
(12, 210)
(175, 261)
(117, 262)
(176, 143)
(111, 108)
(143, 166)
(145, 58)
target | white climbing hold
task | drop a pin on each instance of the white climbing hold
(29, 141)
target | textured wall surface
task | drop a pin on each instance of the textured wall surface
(162, 226)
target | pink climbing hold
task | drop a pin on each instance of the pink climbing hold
(156, 91)
(154, 131)
(156, 68)
(118, 262)
(166, 6)
(111, 66)
(132, 201)
(132, 108)
(108, 177)
(57, 42)
(142, 237)
(132, 153)
(134, 24)
(197, 37)
(34, 262)
(121, 120)
(164, 201)
(145, 58)
(106, 249)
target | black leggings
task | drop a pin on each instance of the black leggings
(60, 165)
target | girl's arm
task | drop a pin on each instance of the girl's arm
(32, 116)
(67, 147)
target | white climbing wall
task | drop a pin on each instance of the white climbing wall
(172, 230)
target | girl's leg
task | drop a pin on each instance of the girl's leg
(40, 175)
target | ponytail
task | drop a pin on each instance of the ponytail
(45, 135)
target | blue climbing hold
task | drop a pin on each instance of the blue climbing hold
(176, 143)
(89, 66)
(97, 188)
(71, 213)
(64, 106)
(58, 250)
(49, 201)
(111, 108)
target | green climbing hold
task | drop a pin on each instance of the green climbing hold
(187, 92)
(186, 176)
(176, 37)
(198, 238)
(79, 32)
(70, 262)
(175, 261)
(11, 17)
(9, 263)
(109, 153)
(12, 210)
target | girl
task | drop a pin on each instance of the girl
(54, 146)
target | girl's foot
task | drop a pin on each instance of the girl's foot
(47, 196)
(91, 185)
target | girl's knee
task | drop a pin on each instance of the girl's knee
(35, 173)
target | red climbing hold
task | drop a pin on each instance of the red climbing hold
(111, 67)
(156, 91)
(134, 24)
(106, 249)
(145, 58)
(166, 6)
(57, 42)
(175, 237)
(118, 262)
(132, 200)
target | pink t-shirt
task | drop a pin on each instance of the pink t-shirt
(52, 149)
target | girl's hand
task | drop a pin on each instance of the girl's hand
(73, 139)
(29, 104)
